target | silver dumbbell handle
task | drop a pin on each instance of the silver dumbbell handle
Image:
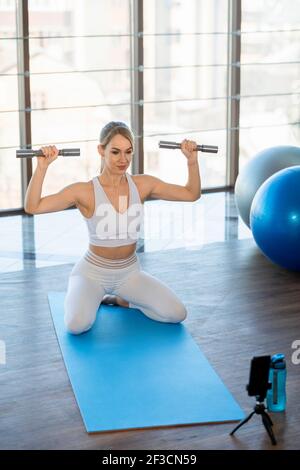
(165, 144)
(29, 153)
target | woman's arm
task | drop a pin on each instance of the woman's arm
(65, 198)
(157, 189)
(34, 190)
(194, 179)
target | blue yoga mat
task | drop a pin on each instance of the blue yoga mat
(129, 371)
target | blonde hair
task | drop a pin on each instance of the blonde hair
(110, 130)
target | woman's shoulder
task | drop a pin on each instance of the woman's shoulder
(82, 186)
(143, 183)
(84, 191)
(140, 179)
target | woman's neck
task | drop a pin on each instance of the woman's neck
(112, 179)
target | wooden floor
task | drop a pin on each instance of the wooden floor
(239, 305)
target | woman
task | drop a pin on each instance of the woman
(111, 204)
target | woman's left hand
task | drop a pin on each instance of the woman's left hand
(189, 149)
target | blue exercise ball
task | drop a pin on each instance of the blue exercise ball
(265, 164)
(275, 218)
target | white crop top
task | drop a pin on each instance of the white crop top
(107, 227)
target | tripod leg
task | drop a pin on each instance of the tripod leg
(242, 422)
(265, 419)
(268, 418)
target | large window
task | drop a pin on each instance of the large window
(10, 171)
(80, 79)
(185, 57)
(85, 70)
(270, 75)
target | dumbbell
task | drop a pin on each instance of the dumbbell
(165, 144)
(30, 153)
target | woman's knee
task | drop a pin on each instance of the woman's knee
(78, 318)
(174, 312)
(81, 304)
(178, 313)
(76, 325)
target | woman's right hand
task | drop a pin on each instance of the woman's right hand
(50, 154)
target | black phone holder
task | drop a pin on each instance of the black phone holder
(258, 386)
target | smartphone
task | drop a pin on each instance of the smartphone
(259, 376)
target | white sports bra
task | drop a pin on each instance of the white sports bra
(107, 227)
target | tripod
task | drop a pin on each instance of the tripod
(259, 409)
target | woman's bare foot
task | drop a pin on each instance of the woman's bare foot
(114, 300)
(122, 302)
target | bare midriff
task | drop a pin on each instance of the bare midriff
(113, 252)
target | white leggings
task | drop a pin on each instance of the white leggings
(94, 276)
